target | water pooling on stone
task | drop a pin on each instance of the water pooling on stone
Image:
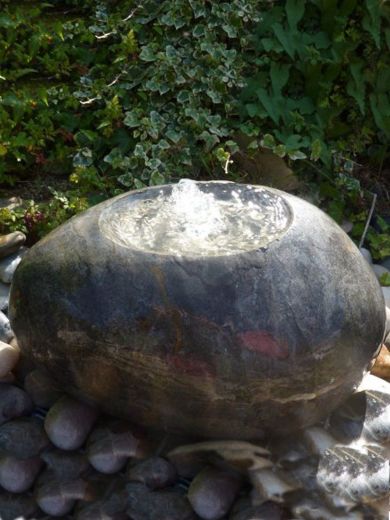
(191, 219)
(202, 341)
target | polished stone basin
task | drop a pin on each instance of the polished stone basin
(262, 319)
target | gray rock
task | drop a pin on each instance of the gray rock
(144, 504)
(9, 357)
(110, 446)
(386, 295)
(366, 254)
(65, 465)
(189, 464)
(23, 438)
(346, 226)
(379, 270)
(11, 243)
(387, 320)
(200, 326)
(58, 498)
(97, 511)
(41, 388)
(11, 203)
(212, 493)
(4, 296)
(244, 510)
(13, 506)
(9, 264)
(6, 333)
(14, 402)
(18, 475)
(155, 472)
(69, 422)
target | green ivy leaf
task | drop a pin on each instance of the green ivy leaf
(183, 96)
(280, 150)
(83, 158)
(131, 119)
(210, 139)
(294, 155)
(147, 53)
(157, 178)
(268, 141)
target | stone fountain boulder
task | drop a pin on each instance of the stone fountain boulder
(266, 330)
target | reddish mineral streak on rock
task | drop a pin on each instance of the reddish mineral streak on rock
(263, 342)
(191, 366)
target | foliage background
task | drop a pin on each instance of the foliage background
(101, 97)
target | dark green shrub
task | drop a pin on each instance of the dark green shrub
(120, 95)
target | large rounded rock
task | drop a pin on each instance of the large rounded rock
(266, 325)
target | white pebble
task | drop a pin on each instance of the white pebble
(386, 294)
(346, 226)
(9, 264)
(6, 333)
(4, 296)
(366, 254)
(9, 357)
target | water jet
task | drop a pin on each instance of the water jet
(210, 308)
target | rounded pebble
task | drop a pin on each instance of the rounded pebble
(69, 422)
(14, 507)
(6, 333)
(4, 296)
(65, 465)
(11, 243)
(9, 264)
(59, 498)
(110, 446)
(244, 510)
(346, 226)
(41, 387)
(23, 437)
(155, 472)
(386, 295)
(18, 475)
(14, 402)
(144, 504)
(212, 493)
(9, 357)
(366, 254)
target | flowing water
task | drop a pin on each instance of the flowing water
(197, 219)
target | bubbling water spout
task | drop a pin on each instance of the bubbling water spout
(196, 219)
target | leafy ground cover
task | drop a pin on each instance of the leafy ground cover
(101, 97)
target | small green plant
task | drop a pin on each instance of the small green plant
(378, 241)
(37, 219)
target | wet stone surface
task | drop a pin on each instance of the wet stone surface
(280, 333)
(61, 458)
